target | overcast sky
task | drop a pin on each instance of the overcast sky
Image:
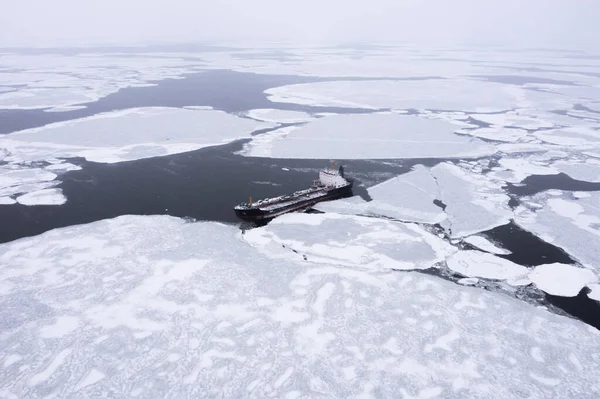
(560, 23)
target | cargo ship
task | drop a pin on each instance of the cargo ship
(331, 184)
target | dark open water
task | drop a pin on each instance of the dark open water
(207, 183)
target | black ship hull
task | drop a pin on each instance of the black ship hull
(257, 214)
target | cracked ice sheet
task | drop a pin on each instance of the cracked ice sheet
(571, 224)
(370, 136)
(433, 94)
(213, 317)
(408, 197)
(130, 134)
(45, 98)
(350, 241)
(582, 137)
(474, 202)
(588, 170)
(562, 280)
(279, 116)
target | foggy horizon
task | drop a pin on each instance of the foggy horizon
(537, 23)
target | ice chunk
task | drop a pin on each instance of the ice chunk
(561, 280)
(350, 241)
(473, 201)
(279, 116)
(594, 291)
(50, 196)
(130, 134)
(435, 94)
(215, 317)
(569, 224)
(485, 245)
(371, 136)
(7, 201)
(481, 264)
(65, 108)
(520, 168)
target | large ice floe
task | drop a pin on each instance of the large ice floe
(151, 306)
(471, 201)
(130, 134)
(567, 221)
(371, 136)
(562, 280)
(433, 94)
(481, 264)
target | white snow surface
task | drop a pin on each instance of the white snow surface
(439, 94)
(50, 196)
(367, 136)
(350, 241)
(7, 201)
(561, 280)
(481, 264)
(130, 134)
(588, 170)
(211, 316)
(279, 116)
(486, 245)
(571, 224)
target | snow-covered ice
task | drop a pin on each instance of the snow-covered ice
(438, 94)
(45, 98)
(67, 108)
(571, 224)
(367, 136)
(508, 135)
(175, 309)
(349, 240)
(50, 196)
(513, 119)
(562, 280)
(588, 170)
(583, 137)
(474, 202)
(279, 116)
(481, 264)
(485, 245)
(7, 201)
(130, 134)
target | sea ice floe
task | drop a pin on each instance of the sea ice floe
(214, 317)
(571, 224)
(370, 136)
(279, 116)
(562, 280)
(515, 170)
(588, 170)
(474, 202)
(7, 201)
(514, 120)
(45, 98)
(594, 291)
(584, 137)
(130, 134)
(485, 265)
(349, 240)
(508, 135)
(67, 108)
(432, 94)
(485, 245)
(408, 197)
(50, 196)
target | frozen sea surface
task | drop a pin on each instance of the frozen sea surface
(368, 136)
(186, 310)
(562, 280)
